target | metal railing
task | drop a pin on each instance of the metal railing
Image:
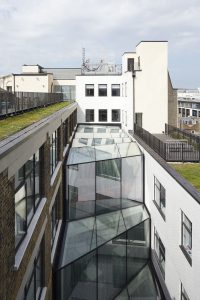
(179, 150)
(14, 103)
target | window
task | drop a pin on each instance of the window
(34, 285)
(179, 110)
(194, 113)
(55, 217)
(69, 91)
(160, 251)
(115, 90)
(184, 295)
(115, 115)
(130, 64)
(89, 115)
(186, 239)
(187, 112)
(159, 197)
(89, 90)
(53, 151)
(102, 90)
(102, 115)
(27, 195)
(122, 90)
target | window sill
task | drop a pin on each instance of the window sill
(186, 255)
(159, 209)
(55, 173)
(43, 294)
(65, 150)
(22, 248)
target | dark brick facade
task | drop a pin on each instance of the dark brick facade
(11, 280)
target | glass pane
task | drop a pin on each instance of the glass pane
(137, 248)
(109, 226)
(108, 185)
(134, 215)
(38, 273)
(111, 268)
(79, 279)
(132, 181)
(81, 155)
(20, 214)
(79, 239)
(37, 177)
(81, 191)
(30, 196)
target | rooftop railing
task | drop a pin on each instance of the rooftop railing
(184, 148)
(14, 103)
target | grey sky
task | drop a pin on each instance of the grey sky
(52, 33)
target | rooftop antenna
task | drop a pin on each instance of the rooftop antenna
(83, 56)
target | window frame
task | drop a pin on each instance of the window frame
(158, 202)
(119, 115)
(87, 89)
(100, 111)
(53, 153)
(105, 89)
(117, 90)
(184, 295)
(89, 111)
(23, 182)
(161, 251)
(189, 231)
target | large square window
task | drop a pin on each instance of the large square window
(115, 115)
(159, 197)
(186, 239)
(89, 90)
(27, 195)
(115, 90)
(102, 115)
(102, 90)
(89, 115)
(160, 251)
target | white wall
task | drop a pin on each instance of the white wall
(97, 102)
(177, 268)
(33, 83)
(151, 85)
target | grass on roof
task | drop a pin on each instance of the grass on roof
(14, 124)
(190, 171)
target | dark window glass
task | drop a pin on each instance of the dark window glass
(33, 287)
(103, 90)
(20, 214)
(89, 90)
(160, 251)
(159, 196)
(130, 64)
(89, 113)
(115, 90)
(186, 240)
(179, 110)
(53, 151)
(108, 169)
(65, 133)
(103, 115)
(187, 112)
(194, 113)
(115, 115)
(27, 195)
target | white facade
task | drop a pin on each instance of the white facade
(143, 89)
(177, 268)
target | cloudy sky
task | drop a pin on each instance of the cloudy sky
(52, 33)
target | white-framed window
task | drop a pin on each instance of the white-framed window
(159, 197)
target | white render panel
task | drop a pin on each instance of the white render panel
(33, 83)
(151, 85)
(177, 268)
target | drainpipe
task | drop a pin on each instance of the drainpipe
(133, 77)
